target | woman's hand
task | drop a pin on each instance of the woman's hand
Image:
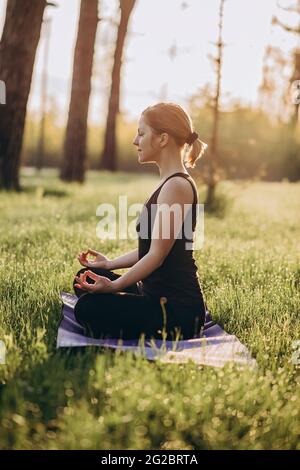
(99, 261)
(101, 285)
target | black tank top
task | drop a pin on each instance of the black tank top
(177, 278)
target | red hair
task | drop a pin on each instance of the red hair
(175, 121)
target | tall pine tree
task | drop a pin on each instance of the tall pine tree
(73, 167)
(109, 155)
(18, 47)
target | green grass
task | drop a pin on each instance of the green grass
(92, 399)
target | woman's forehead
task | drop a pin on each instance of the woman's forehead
(142, 124)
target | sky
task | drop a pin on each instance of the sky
(148, 73)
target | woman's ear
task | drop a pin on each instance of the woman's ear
(164, 139)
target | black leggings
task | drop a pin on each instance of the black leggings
(128, 314)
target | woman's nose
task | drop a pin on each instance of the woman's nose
(135, 141)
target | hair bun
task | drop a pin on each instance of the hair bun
(191, 138)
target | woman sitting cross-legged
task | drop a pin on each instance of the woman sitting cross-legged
(160, 295)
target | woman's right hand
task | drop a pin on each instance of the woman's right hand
(99, 261)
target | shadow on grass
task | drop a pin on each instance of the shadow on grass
(42, 192)
(55, 193)
(42, 392)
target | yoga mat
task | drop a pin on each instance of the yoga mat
(214, 347)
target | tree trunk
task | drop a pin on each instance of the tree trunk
(296, 76)
(212, 175)
(44, 85)
(18, 46)
(73, 167)
(109, 156)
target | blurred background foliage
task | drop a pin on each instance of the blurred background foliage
(251, 145)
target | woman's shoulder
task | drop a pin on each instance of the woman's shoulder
(177, 189)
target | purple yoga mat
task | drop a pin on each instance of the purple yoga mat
(214, 347)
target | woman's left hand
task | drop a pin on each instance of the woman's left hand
(101, 285)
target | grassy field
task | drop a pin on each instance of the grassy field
(250, 273)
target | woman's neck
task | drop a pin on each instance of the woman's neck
(168, 167)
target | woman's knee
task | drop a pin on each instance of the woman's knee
(81, 308)
(88, 306)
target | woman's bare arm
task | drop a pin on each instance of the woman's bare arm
(125, 261)
(179, 192)
(159, 248)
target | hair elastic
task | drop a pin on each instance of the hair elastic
(191, 138)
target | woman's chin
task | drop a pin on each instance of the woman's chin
(142, 159)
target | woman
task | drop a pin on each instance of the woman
(159, 296)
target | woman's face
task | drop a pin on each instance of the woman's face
(145, 142)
